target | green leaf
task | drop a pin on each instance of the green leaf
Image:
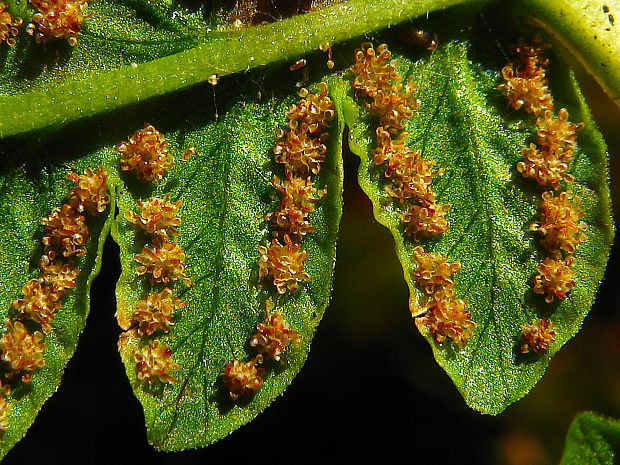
(67, 107)
(30, 190)
(226, 192)
(116, 34)
(592, 440)
(464, 124)
(589, 30)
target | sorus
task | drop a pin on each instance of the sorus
(58, 274)
(530, 93)
(394, 107)
(300, 196)
(57, 19)
(299, 191)
(156, 311)
(425, 220)
(66, 231)
(378, 79)
(526, 83)
(411, 178)
(389, 148)
(165, 263)
(91, 193)
(448, 318)
(373, 70)
(433, 271)
(300, 154)
(21, 352)
(158, 217)
(154, 363)
(546, 167)
(554, 278)
(39, 303)
(284, 264)
(145, 153)
(314, 110)
(273, 336)
(302, 148)
(8, 26)
(242, 378)
(537, 336)
(531, 57)
(557, 135)
(560, 223)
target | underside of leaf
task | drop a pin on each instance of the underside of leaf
(31, 190)
(226, 193)
(465, 126)
(592, 439)
(69, 108)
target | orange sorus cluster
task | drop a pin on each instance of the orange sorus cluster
(8, 26)
(154, 363)
(165, 262)
(243, 378)
(560, 223)
(65, 236)
(5, 409)
(274, 335)
(301, 149)
(300, 195)
(22, 352)
(57, 19)
(270, 340)
(554, 278)
(411, 175)
(283, 264)
(537, 336)
(411, 178)
(145, 153)
(562, 229)
(443, 314)
(158, 217)
(155, 312)
(526, 87)
(547, 162)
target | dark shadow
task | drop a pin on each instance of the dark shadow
(38, 57)
(520, 358)
(223, 401)
(183, 111)
(4, 51)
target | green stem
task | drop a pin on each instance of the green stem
(239, 51)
